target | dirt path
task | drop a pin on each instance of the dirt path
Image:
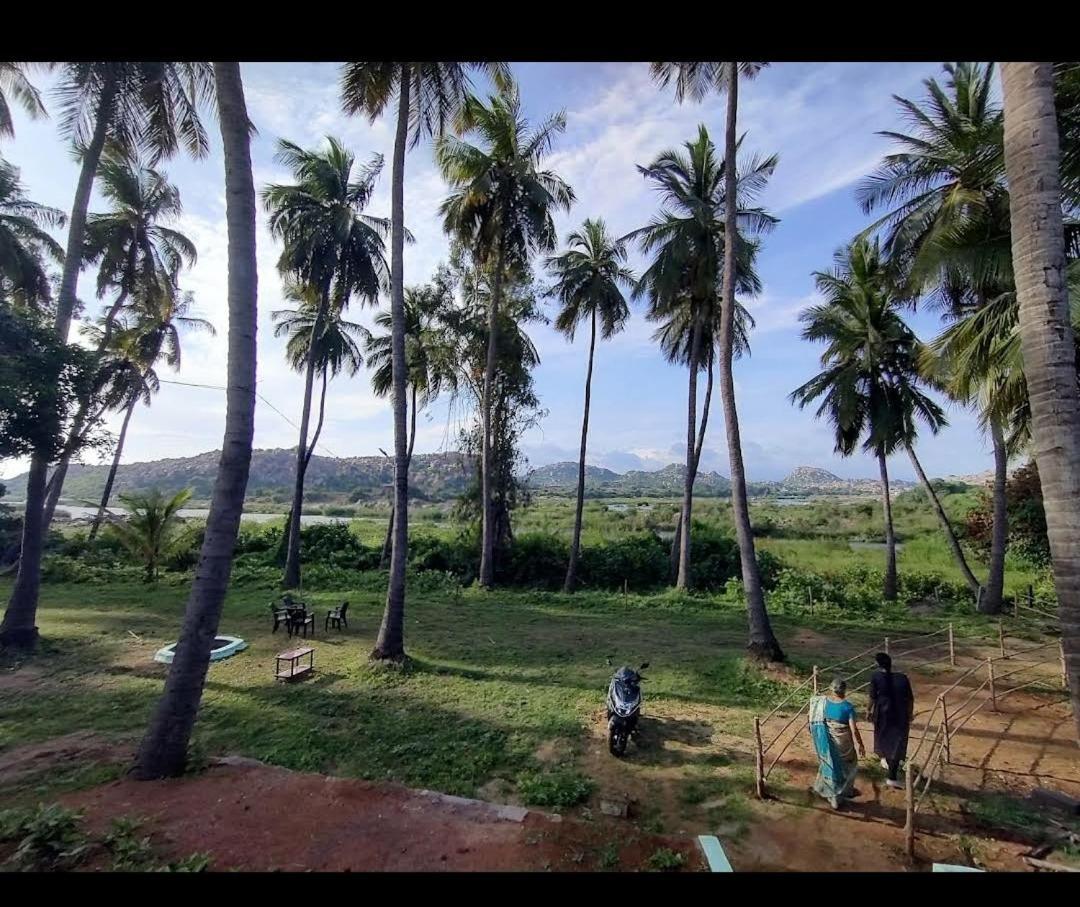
(257, 817)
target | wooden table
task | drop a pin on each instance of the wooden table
(295, 669)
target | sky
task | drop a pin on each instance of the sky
(822, 119)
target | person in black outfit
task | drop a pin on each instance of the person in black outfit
(892, 706)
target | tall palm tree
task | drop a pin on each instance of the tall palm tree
(426, 356)
(869, 385)
(335, 250)
(163, 751)
(946, 232)
(25, 243)
(138, 104)
(429, 97)
(133, 247)
(15, 85)
(589, 277)
(683, 281)
(154, 336)
(324, 338)
(695, 80)
(500, 208)
(1032, 161)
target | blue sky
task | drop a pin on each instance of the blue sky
(821, 118)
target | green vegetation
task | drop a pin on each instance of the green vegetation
(666, 860)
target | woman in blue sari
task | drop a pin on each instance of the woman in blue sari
(835, 736)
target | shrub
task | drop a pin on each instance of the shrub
(641, 559)
(560, 788)
(48, 837)
(535, 560)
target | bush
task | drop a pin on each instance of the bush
(641, 559)
(459, 556)
(560, 788)
(535, 560)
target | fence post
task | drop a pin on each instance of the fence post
(1001, 637)
(816, 679)
(945, 728)
(952, 647)
(1064, 669)
(993, 692)
(810, 598)
(909, 804)
(759, 761)
(886, 645)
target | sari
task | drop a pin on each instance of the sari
(835, 747)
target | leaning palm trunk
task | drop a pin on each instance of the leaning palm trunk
(890, 536)
(763, 642)
(994, 593)
(384, 561)
(163, 751)
(18, 629)
(575, 542)
(390, 644)
(111, 478)
(292, 551)
(683, 580)
(676, 547)
(946, 526)
(487, 543)
(1032, 162)
(24, 596)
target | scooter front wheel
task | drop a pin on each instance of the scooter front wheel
(616, 742)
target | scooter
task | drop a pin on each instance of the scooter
(623, 707)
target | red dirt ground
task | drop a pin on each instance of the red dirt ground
(258, 817)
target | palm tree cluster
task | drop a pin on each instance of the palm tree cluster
(974, 220)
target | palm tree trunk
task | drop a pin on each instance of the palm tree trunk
(318, 423)
(387, 542)
(18, 629)
(994, 594)
(575, 542)
(292, 552)
(946, 526)
(487, 545)
(163, 751)
(1032, 162)
(763, 642)
(676, 547)
(390, 643)
(683, 580)
(107, 493)
(890, 536)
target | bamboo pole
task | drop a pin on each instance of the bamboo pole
(1064, 670)
(990, 675)
(759, 761)
(816, 678)
(1001, 637)
(945, 728)
(886, 645)
(952, 647)
(909, 804)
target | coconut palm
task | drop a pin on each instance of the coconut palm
(25, 243)
(869, 386)
(137, 254)
(163, 751)
(150, 526)
(427, 358)
(687, 242)
(15, 85)
(589, 278)
(695, 80)
(1032, 161)
(500, 208)
(152, 337)
(947, 233)
(322, 337)
(337, 252)
(428, 98)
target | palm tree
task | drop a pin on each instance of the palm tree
(163, 751)
(322, 337)
(947, 233)
(336, 251)
(696, 79)
(500, 208)
(24, 243)
(588, 281)
(133, 248)
(149, 528)
(154, 336)
(429, 97)
(869, 386)
(15, 84)
(426, 356)
(683, 281)
(1032, 161)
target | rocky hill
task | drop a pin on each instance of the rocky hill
(806, 480)
(565, 474)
